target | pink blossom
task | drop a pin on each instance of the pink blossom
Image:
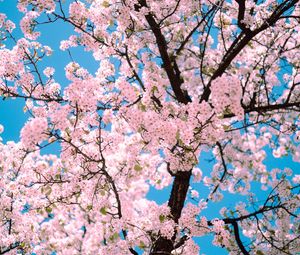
(34, 132)
(48, 71)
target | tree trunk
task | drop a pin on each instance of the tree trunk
(162, 245)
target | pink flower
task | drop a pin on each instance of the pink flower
(34, 132)
(49, 71)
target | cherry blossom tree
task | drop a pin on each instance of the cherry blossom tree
(176, 79)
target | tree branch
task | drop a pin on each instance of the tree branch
(243, 39)
(168, 64)
(238, 239)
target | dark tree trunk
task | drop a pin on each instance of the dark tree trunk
(162, 245)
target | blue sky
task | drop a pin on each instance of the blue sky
(13, 118)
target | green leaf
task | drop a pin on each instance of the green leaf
(142, 107)
(48, 191)
(226, 127)
(105, 4)
(48, 209)
(154, 88)
(103, 210)
(114, 236)
(162, 218)
(137, 168)
(251, 165)
(142, 245)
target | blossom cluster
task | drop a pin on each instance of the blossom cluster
(226, 92)
(27, 25)
(34, 132)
